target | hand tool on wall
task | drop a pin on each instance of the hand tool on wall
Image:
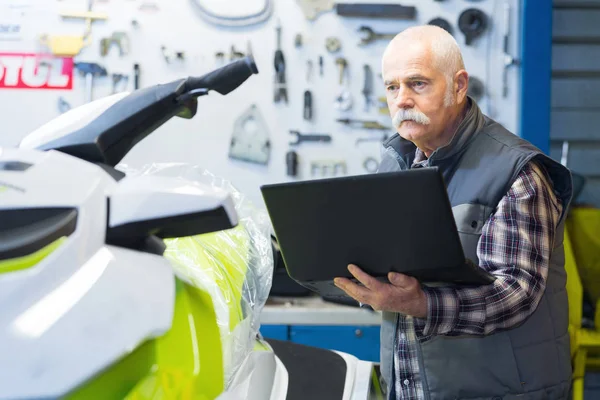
(363, 124)
(370, 164)
(368, 86)
(169, 55)
(472, 22)
(89, 16)
(312, 8)
(343, 100)
(237, 17)
(279, 63)
(309, 137)
(369, 10)
(369, 35)
(117, 79)
(508, 59)
(90, 71)
(321, 65)
(442, 23)
(342, 64)
(63, 45)
(136, 76)
(71, 45)
(63, 105)
(328, 167)
(250, 140)
(382, 138)
(291, 162)
(235, 54)
(476, 88)
(333, 44)
(120, 39)
(382, 106)
(308, 108)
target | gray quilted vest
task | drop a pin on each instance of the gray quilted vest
(531, 361)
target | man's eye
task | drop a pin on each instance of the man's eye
(418, 84)
(391, 88)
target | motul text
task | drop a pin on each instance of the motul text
(35, 71)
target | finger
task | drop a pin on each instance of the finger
(401, 281)
(353, 290)
(364, 278)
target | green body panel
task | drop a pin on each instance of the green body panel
(120, 378)
(223, 259)
(30, 260)
(185, 363)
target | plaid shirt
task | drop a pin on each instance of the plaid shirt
(515, 245)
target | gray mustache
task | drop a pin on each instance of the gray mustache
(410, 115)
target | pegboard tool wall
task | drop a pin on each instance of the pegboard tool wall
(205, 139)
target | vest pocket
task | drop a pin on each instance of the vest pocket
(470, 367)
(470, 219)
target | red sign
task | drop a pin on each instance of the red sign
(35, 71)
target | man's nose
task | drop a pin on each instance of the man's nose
(404, 98)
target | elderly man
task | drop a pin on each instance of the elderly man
(506, 340)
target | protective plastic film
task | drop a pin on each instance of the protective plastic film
(234, 266)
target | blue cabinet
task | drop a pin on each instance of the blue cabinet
(360, 341)
(277, 332)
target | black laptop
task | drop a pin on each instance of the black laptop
(396, 221)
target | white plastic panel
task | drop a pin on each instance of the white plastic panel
(69, 122)
(82, 324)
(144, 198)
(85, 305)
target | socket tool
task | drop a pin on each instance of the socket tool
(308, 108)
(472, 23)
(291, 162)
(442, 23)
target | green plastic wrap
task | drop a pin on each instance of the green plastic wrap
(234, 266)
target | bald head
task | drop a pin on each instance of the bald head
(426, 85)
(440, 45)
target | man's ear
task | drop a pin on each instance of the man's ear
(461, 85)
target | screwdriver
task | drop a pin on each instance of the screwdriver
(279, 63)
(362, 124)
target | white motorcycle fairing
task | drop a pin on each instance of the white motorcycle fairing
(86, 304)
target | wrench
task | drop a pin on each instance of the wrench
(369, 35)
(302, 137)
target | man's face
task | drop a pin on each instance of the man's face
(418, 95)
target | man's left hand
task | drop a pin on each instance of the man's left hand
(402, 295)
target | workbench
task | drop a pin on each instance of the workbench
(314, 322)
